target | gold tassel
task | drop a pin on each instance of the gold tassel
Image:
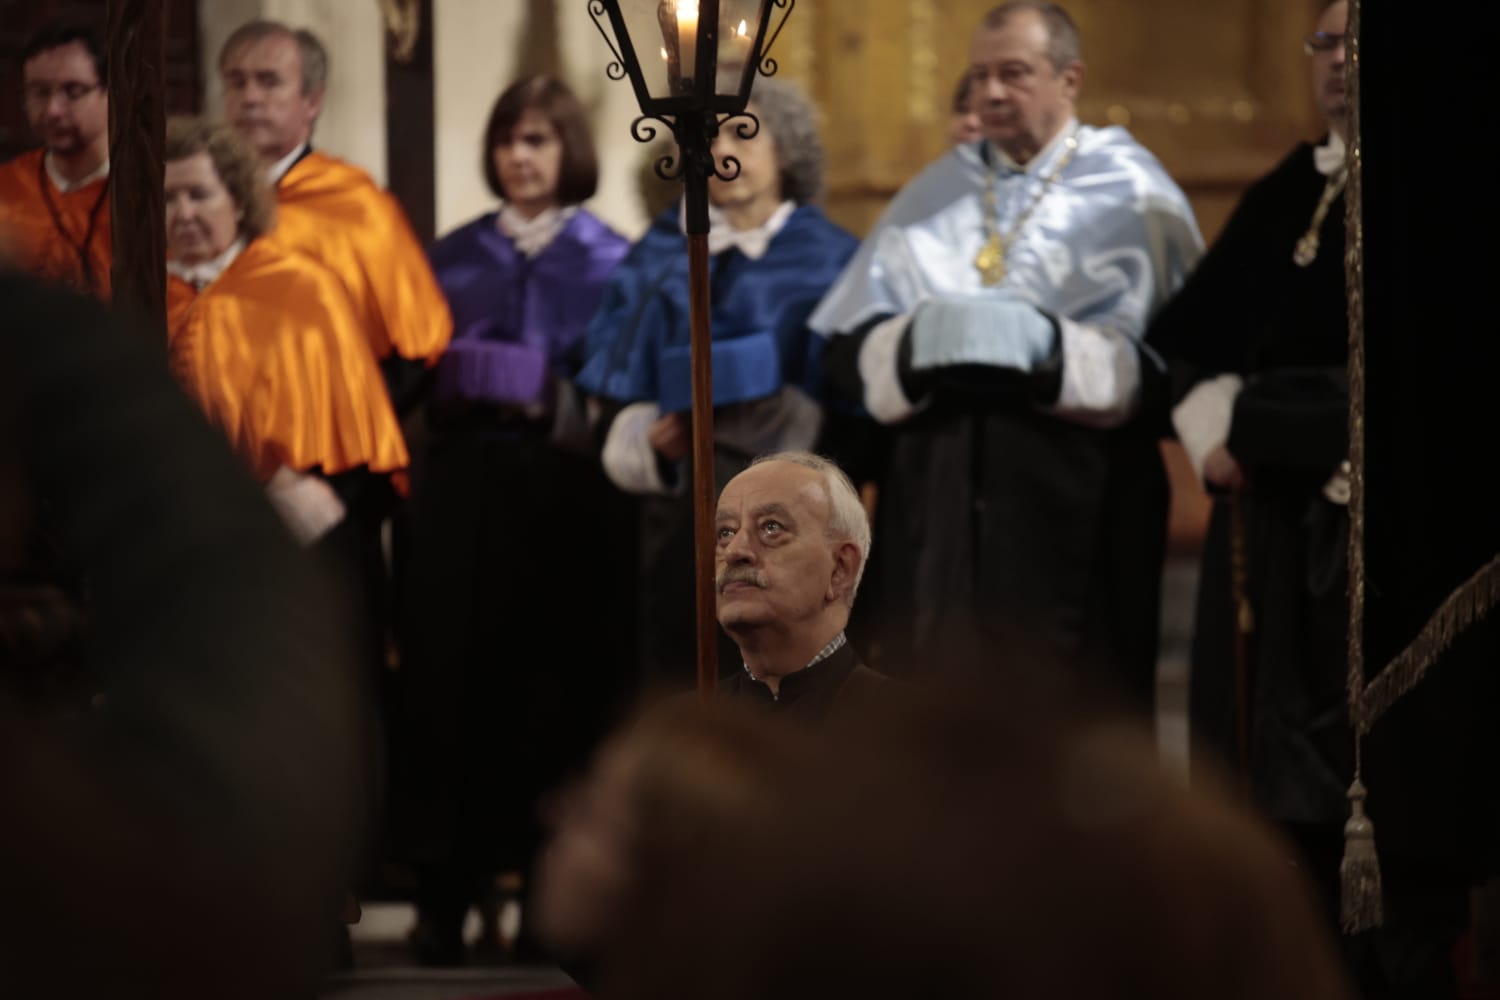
(1361, 906)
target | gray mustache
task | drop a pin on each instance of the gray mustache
(741, 574)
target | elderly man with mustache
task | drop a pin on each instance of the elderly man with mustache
(792, 543)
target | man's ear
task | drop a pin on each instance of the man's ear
(846, 563)
(316, 100)
(1072, 79)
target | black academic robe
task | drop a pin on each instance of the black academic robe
(1008, 537)
(1249, 309)
(810, 695)
(501, 694)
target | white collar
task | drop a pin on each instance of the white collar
(753, 243)
(1329, 157)
(199, 275)
(532, 236)
(278, 170)
(66, 186)
(1070, 127)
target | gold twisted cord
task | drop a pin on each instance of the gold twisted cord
(1307, 247)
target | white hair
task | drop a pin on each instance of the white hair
(847, 520)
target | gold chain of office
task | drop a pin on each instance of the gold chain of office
(991, 257)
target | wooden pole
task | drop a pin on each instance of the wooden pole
(704, 487)
(703, 467)
(136, 43)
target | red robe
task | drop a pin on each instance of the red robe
(60, 237)
(333, 212)
(272, 351)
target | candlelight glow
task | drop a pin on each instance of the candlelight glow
(687, 36)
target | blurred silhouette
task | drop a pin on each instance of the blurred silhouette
(978, 843)
(182, 831)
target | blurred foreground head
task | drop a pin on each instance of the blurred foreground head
(185, 829)
(949, 846)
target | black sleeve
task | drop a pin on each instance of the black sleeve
(408, 382)
(1292, 419)
(1205, 329)
(841, 363)
(609, 409)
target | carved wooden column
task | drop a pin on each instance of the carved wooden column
(410, 163)
(136, 43)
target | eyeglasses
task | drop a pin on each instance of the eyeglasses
(1322, 41)
(41, 94)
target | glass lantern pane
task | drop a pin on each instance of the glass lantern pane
(664, 35)
(739, 21)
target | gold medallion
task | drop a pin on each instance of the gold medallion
(991, 261)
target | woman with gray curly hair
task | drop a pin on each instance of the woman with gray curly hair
(773, 255)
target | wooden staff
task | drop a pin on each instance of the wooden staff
(704, 491)
(137, 133)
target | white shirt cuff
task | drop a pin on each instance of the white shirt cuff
(629, 460)
(1203, 417)
(308, 506)
(879, 372)
(1101, 375)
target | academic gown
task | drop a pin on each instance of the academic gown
(513, 525)
(838, 684)
(272, 353)
(59, 237)
(335, 213)
(1011, 534)
(639, 351)
(1249, 310)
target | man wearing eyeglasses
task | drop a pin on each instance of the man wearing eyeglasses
(1257, 341)
(54, 201)
(992, 321)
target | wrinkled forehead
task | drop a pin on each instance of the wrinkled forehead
(276, 51)
(1020, 37)
(795, 487)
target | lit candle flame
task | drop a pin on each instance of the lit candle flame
(743, 29)
(687, 36)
